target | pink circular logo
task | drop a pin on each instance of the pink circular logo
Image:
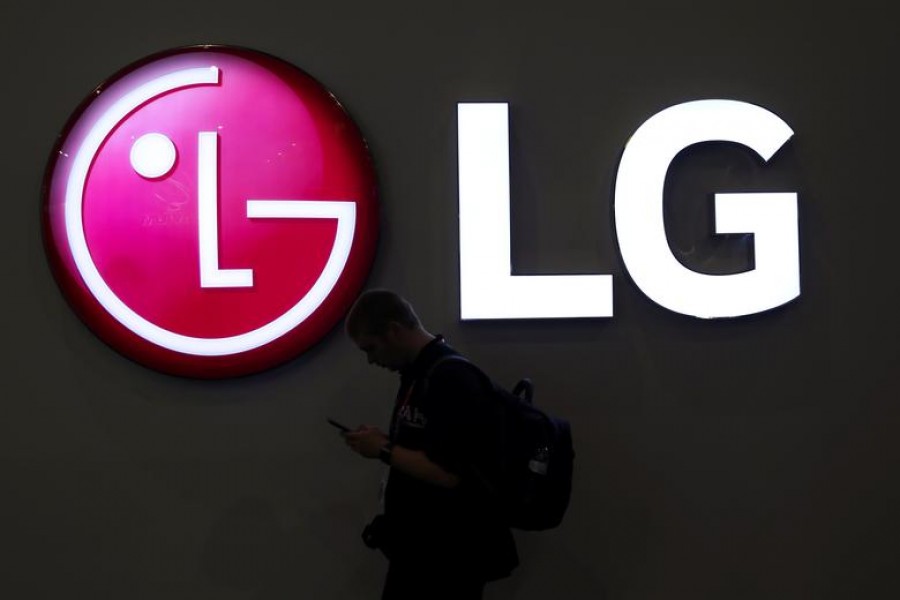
(211, 211)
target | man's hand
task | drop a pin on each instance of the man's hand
(366, 440)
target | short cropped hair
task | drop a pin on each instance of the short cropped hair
(374, 310)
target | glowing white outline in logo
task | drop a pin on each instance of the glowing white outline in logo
(343, 211)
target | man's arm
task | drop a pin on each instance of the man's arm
(417, 464)
(368, 442)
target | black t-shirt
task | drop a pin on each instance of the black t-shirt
(452, 418)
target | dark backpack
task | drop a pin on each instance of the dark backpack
(535, 483)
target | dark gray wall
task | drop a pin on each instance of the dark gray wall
(755, 458)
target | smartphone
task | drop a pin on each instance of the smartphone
(343, 428)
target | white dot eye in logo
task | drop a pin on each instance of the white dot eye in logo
(153, 155)
(212, 212)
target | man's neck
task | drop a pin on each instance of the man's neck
(417, 341)
(421, 338)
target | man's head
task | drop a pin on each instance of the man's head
(386, 328)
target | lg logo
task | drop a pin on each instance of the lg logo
(489, 291)
(212, 212)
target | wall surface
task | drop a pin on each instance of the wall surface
(742, 459)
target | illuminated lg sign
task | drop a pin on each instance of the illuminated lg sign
(211, 211)
(490, 291)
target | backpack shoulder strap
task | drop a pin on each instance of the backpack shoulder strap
(491, 488)
(446, 359)
(524, 388)
(458, 358)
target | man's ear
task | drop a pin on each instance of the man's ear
(393, 330)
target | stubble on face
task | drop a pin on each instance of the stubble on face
(377, 351)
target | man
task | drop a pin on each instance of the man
(440, 529)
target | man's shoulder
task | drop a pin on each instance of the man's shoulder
(450, 363)
(454, 373)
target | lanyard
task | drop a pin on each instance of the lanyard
(401, 403)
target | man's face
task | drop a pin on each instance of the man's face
(382, 350)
